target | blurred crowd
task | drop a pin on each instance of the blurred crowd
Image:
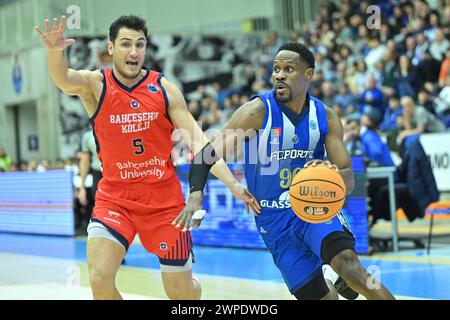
(7, 165)
(390, 76)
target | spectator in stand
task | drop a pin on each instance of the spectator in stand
(445, 69)
(361, 46)
(394, 110)
(5, 160)
(13, 168)
(32, 165)
(194, 109)
(421, 48)
(424, 100)
(388, 83)
(345, 98)
(398, 21)
(220, 94)
(376, 53)
(372, 96)
(328, 93)
(433, 27)
(446, 20)
(439, 46)
(361, 76)
(43, 166)
(199, 94)
(324, 65)
(416, 120)
(385, 33)
(427, 70)
(23, 165)
(262, 81)
(228, 110)
(406, 77)
(443, 102)
(410, 47)
(361, 137)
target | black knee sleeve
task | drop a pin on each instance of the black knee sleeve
(314, 290)
(335, 243)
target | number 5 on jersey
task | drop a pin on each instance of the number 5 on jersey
(137, 143)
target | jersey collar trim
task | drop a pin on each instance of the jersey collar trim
(130, 89)
(291, 115)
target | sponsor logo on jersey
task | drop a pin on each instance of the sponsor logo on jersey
(163, 246)
(291, 154)
(295, 138)
(113, 214)
(152, 88)
(283, 202)
(134, 104)
(313, 124)
(262, 230)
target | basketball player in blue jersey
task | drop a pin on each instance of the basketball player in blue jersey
(285, 130)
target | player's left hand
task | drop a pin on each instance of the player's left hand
(192, 215)
(239, 191)
(314, 163)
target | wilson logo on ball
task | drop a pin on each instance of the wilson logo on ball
(316, 192)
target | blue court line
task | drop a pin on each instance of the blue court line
(414, 279)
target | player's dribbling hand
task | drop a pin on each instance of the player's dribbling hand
(314, 163)
(188, 219)
(240, 192)
(54, 38)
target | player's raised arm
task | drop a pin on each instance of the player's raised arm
(70, 81)
(336, 151)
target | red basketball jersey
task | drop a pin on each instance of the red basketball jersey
(133, 131)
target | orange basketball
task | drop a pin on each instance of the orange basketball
(317, 193)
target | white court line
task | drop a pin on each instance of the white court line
(429, 268)
(56, 291)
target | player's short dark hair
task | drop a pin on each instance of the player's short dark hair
(305, 54)
(130, 22)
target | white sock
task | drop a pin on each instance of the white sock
(329, 273)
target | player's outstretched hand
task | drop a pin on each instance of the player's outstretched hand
(314, 163)
(192, 215)
(54, 38)
(242, 193)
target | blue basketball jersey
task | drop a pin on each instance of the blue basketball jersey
(284, 144)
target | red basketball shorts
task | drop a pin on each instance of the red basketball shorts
(148, 211)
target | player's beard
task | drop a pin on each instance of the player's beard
(284, 98)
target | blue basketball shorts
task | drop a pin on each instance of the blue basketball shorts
(296, 245)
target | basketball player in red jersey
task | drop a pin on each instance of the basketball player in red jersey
(133, 112)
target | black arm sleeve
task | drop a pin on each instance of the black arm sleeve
(200, 166)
